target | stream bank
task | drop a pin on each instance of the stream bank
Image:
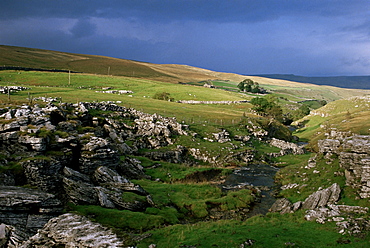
(258, 176)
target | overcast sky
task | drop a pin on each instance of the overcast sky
(302, 37)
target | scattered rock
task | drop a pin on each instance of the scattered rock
(248, 242)
(222, 137)
(287, 147)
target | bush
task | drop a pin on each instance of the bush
(248, 85)
(163, 96)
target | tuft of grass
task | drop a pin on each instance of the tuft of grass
(125, 220)
(234, 200)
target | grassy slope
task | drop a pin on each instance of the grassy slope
(36, 58)
(83, 87)
(349, 115)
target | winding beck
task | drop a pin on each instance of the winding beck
(260, 176)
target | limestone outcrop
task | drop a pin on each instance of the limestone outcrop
(318, 199)
(321, 206)
(65, 154)
(25, 211)
(287, 147)
(71, 230)
(353, 152)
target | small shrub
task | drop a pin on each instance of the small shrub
(163, 96)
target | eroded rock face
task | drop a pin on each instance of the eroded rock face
(78, 187)
(321, 207)
(354, 156)
(71, 230)
(12, 237)
(132, 169)
(97, 152)
(282, 205)
(45, 174)
(357, 163)
(318, 199)
(322, 198)
(106, 189)
(27, 209)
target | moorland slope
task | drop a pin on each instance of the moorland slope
(172, 73)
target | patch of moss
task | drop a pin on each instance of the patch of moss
(13, 167)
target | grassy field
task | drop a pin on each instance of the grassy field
(83, 87)
(272, 230)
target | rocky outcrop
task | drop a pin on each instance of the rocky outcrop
(287, 147)
(318, 199)
(106, 189)
(12, 237)
(321, 207)
(173, 156)
(78, 187)
(71, 230)
(44, 172)
(256, 130)
(71, 156)
(354, 157)
(97, 152)
(27, 209)
(322, 197)
(131, 168)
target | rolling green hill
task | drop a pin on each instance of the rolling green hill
(92, 64)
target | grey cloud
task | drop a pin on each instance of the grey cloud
(179, 10)
(243, 36)
(83, 28)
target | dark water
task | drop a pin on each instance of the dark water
(260, 176)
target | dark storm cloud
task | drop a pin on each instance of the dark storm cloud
(83, 28)
(313, 37)
(165, 10)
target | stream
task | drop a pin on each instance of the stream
(260, 176)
